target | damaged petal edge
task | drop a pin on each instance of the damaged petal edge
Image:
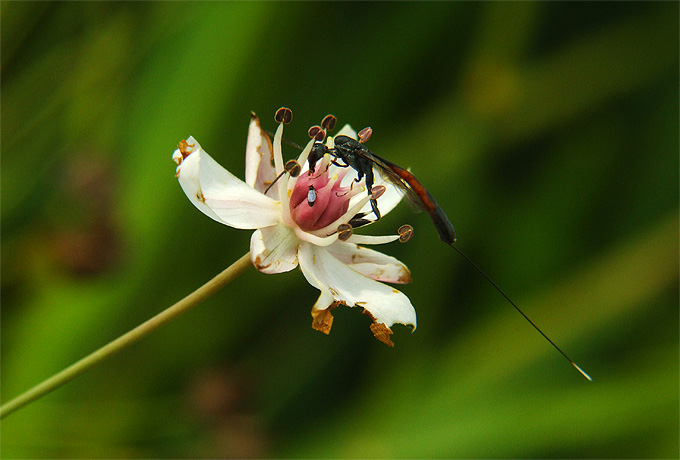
(322, 320)
(380, 330)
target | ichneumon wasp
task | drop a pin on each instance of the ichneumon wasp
(347, 152)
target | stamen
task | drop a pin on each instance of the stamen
(283, 115)
(377, 191)
(293, 168)
(346, 217)
(365, 134)
(278, 167)
(328, 122)
(322, 167)
(302, 159)
(344, 232)
(276, 145)
(372, 239)
(315, 239)
(317, 133)
(405, 233)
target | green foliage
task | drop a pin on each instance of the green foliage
(547, 131)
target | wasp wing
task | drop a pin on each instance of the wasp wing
(397, 176)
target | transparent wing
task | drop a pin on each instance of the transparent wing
(390, 172)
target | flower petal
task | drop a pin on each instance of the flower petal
(221, 195)
(348, 131)
(322, 320)
(337, 281)
(274, 249)
(260, 172)
(370, 263)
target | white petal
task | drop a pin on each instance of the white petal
(370, 263)
(260, 172)
(325, 272)
(221, 195)
(347, 131)
(274, 249)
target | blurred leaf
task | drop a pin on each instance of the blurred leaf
(547, 131)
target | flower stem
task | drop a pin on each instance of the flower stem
(127, 339)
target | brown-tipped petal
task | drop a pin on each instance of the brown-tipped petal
(380, 330)
(283, 115)
(382, 333)
(185, 148)
(322, 320)
(260, 170)
(339, 282)
(222, 196)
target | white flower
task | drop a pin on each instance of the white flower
(296, 223)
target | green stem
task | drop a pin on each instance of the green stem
(74, 370)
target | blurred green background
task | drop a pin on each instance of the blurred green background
(547, 131)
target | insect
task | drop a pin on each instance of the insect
(354, 154)
(311, 196)
(351, 153)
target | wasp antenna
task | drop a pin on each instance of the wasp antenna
(285, 141)
(576, 366)
(583, 373)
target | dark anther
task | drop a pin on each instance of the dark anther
(328, 122)
(316, 132)
(283, 115)
(293, 168)
(365, 134)
(377, 191)
(405, 233)
(344, 232)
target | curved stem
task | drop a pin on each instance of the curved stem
(127, 339)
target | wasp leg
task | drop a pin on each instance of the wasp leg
(335, 162)
(356, 223)
(374, 206)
